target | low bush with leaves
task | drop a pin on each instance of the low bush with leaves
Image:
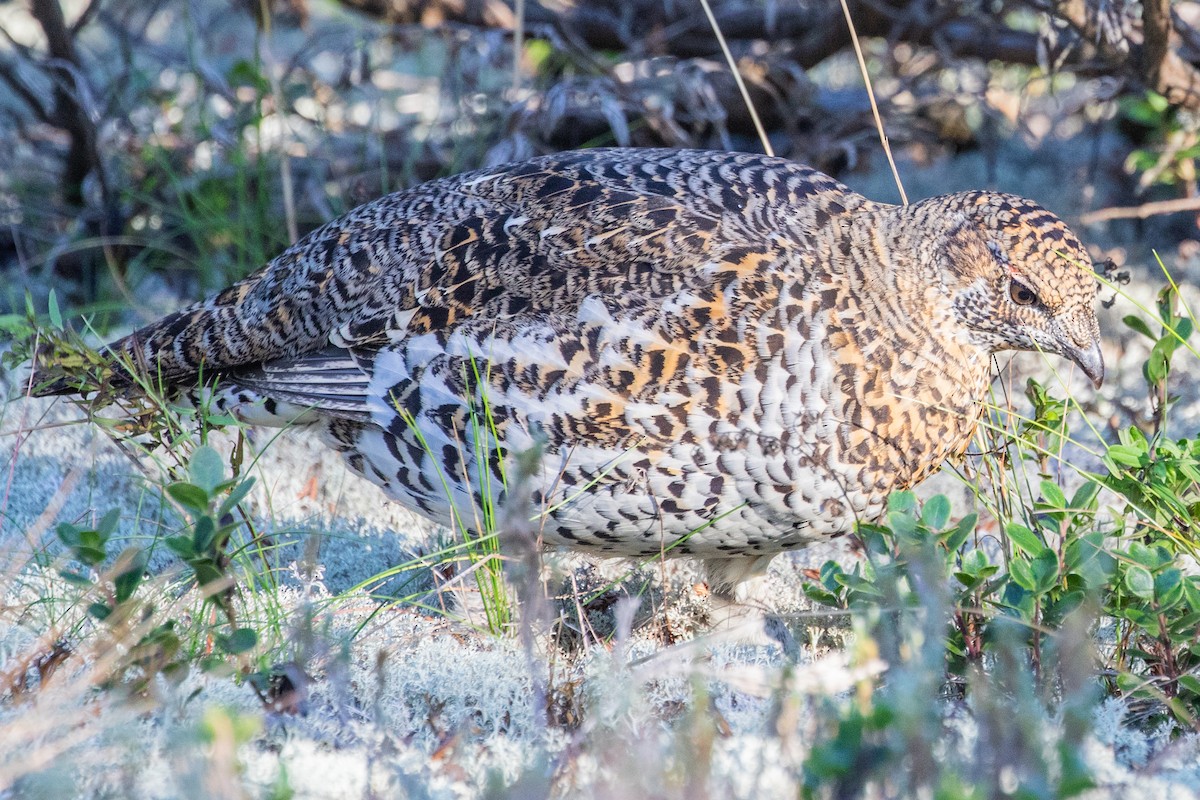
(1072, 600)
(150, 632)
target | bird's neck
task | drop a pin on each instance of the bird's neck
(891, 264)
(920, 365)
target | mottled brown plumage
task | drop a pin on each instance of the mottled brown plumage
(719, 354)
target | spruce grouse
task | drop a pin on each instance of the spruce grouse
(720, 355)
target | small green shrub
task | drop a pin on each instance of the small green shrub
(109, 585)
(1073, 599)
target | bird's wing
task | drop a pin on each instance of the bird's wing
(534, 237)
(611, 369)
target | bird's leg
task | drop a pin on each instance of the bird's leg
(740, 607)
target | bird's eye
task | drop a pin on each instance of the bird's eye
(1021, 294)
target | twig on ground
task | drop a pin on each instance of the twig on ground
(1143, 211)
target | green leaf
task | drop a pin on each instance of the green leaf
(1138, 324)
(902, 523)
(1144, 620)
(208, 573)
(1191, 591)
(962, 531)
(977, 574)
(215, 665)
(1182, 631)
(1085, 496)
(99, 611)
(1158, 364)
(75, 578)
(1024, 539)
(936, 512)
(207, 469)
(246, 73)
(1053, 495)
(189, 495)
(1183, 328)
(829, 572)
(1180, 711)
(1168, 587)
(90, 555)
(1044, 571)
(236, 496)
(181, 546)
(821, 596)
(240, 641)
(874, 538)
(92, 539)
(1191, 683)
(108, 523)
(1068, 603)
(968, 580)
(1165, 302)
(1159, 105)
(1139, 582)
(126, 583)
(1129, 683)
(69, 534)
(203, 535)
(56, 320)
(1128, 455)
(15, 326)
(1134, 437)
(1022, 575)
(1082, 551)
(901, 501)
(1149, 557)
(975, 561)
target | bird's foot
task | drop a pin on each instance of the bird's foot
(744, 623)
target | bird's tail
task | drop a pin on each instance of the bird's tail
(156, 355)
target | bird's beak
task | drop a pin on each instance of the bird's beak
(1090, 360)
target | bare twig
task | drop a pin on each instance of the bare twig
(1156, 35)
(1163, 69)
(1153, 60)
(812, 34)
(85, 17)
(69, 113)
(1143, 211)
(8, 74)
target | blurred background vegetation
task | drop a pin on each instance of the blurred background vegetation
(159, 149)
(152, 151)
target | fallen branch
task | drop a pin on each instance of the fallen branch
(68, 111)
(1153, 61)
(1150, 56)
(1143, 211)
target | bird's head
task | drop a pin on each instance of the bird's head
(1018, 278)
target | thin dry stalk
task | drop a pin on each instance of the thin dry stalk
(285, 167)
(737, 77)
(518, 41)
(862, 66)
